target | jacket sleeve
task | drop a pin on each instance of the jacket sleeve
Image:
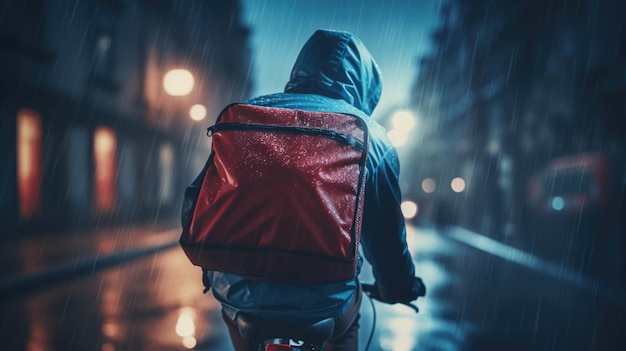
(383, 238)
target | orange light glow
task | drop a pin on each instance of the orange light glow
(29, 163)
(105, 144)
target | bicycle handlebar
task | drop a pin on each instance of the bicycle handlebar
(372, 291)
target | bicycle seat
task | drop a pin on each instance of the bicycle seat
(259, 329)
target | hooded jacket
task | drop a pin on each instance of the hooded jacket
(334, 72)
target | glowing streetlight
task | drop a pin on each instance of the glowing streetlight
(178, 82)
(403, 120)
(197, 112)
(398, 137)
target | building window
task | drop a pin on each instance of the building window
(105, 145)
(29, 162)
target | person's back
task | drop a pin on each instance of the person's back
(333, 73)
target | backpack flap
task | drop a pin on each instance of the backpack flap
(282, 197)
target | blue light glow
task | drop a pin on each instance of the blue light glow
(558, 203)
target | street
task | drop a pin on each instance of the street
(496, 128)
(482, 295)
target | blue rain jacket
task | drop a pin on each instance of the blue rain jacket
(334, 72)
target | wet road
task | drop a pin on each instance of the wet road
(482, 295)
(150, 303)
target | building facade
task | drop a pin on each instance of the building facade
(105, 105)
(510, 87)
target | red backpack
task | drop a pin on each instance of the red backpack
(282, 196)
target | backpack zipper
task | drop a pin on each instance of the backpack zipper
(340, 137)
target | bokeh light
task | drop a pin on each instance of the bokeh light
(178, 82)
(457, 184)
(429, 185)
(397, 137)
(403, 120)
(197, 112)
(409, 209)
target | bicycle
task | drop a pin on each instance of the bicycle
(273, 336)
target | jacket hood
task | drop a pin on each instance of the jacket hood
(337, 65)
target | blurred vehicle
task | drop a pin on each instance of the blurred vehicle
(571, 185)
(574, 213)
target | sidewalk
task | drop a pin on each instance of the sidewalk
(37, 262)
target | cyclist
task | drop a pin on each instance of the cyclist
(334, 72)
